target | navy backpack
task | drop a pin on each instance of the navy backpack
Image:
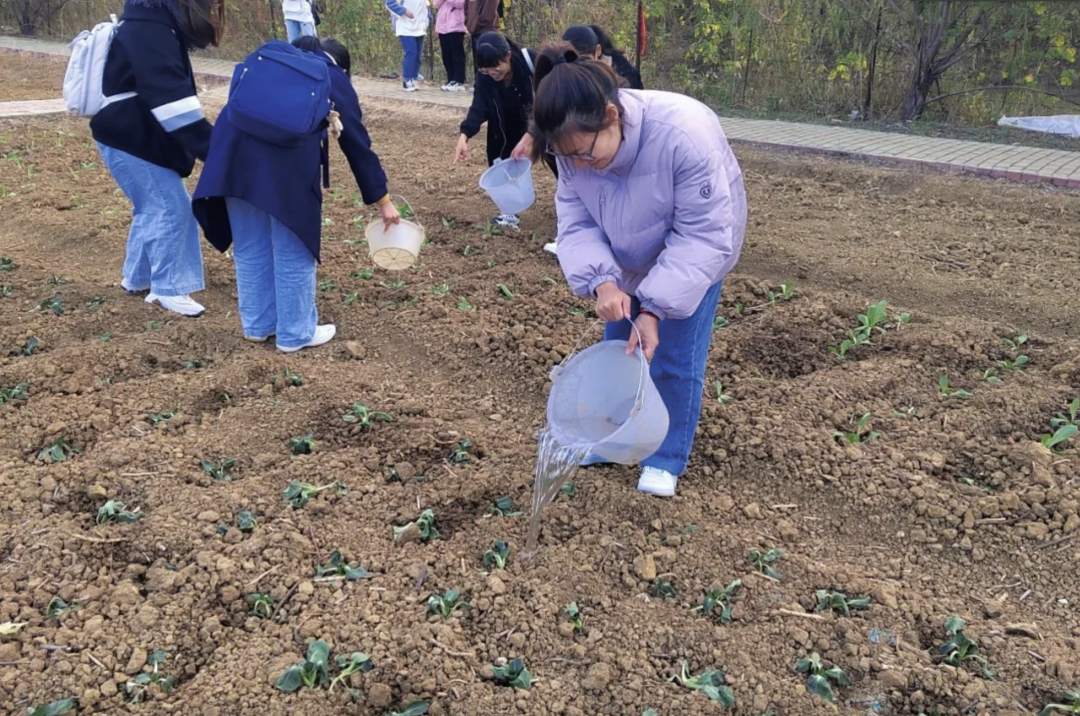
(280, 94)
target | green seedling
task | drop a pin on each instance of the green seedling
(573, 613)
(569, 489)
(7, 264)
(425, 524)
(763, 561)
(396, 285)
(462, 452)
(513, 674)
(153, 325)
(220, 470)
(260, 604)
(116, 512)
(504, 507)
(786, 292)
(720, 322)
(105, 337)
(444, 605)
(505, 291)
(350, 298)
(1017, 343)
(6, 291)
(497, 556)
(405, 210)
(57, 607)
(663, 588)
(867, 324)
(291, 378)
(364, 274)
(860, 434)
(441, 289)
(310, 672)
(95, 303)
(839, 602)
(416, 708)
(57, 451)
(1057, 439)
(54, 304)
(1062, 419)
(945, 390)
(365, 418)
(245, 521)
(991, 376)
(17, 392)
(650, 712)
(299, 493)
(721, 397)
(722, 598)
(53, 708)
(136, 688)
(1070, 704)
(349, 664)
(819, 679)
(302, 444)
(55, 280)
(1014, 364)
(28, 348)
(337, 567)
(961, 649)
(710, 682)
(327, 284)
(193, 364)
(463, 304)
(159, 418)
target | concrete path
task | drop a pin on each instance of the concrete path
(1003, 161)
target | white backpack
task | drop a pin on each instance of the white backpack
(83, 94)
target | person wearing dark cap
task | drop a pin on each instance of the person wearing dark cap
(592, 42)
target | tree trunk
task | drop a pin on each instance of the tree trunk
(868, 102)
(915, 100)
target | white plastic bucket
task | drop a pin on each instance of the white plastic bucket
(509, 184)
(396, 249)
(603, 399)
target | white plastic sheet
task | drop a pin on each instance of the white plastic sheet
(1067, 124)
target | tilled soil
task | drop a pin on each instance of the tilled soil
(29, 76)
(953, 510)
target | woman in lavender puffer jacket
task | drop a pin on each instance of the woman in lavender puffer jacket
(651, 216)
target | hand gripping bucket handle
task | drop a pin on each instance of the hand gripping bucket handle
(639, 396)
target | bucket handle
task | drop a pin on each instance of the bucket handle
(398, 199)
(639, 397)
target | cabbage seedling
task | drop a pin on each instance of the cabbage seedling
(53, 304)
(569, 489)
(299, 493)
(945, 390)
(497, 556)
(245, 521)
(860, 434)
(721, 397)
(504, 507)
(350, 664)
(159, 418)
(365, 418)
(1059, 420)
(513, 674)
(425, 523)
(136, 688)
(220, 470)
(444, 605)
(839, 602)
(786, 292)
(338, 567)
(53, 708)
(1058, 438)
(302, 444)
(1014, 364)
(28, 348)
(462, 452)
(710, 682)
(260, 604)
(869, 322)
(57, 607)
(115, 511)
(310, 672)
(573, 613)
(416, 708)
(820, 680)
(763, 561)
(57, 451)
(1070, 704)
(17, 392)
(662, 588)
(463, 304)
(291, 378)
(7, 263)
(505, 291)
(717, 597)
(990, 376)
(960, 648)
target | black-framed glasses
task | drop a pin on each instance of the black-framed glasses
(586, 156)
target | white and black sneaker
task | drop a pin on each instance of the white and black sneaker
(507, 221)
(409, 86)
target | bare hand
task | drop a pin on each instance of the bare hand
(611, 303)
(524, 148)
(408, 14)
(389, 214)
(648, 326)
(461, 151)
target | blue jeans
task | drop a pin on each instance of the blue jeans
(410, 66)
(163, 251)
(678, 369)
(275, 277)
(295, 29)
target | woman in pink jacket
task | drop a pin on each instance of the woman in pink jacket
(651, 216)
(450, 25)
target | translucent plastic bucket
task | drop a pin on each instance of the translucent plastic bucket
(603, 399)
(396, 249)
(509, 183)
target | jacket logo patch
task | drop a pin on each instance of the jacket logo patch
(706, 190)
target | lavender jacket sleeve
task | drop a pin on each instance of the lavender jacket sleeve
(584, 252)
(702, 245)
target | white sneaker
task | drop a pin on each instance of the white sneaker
(448, 87)
(419, 78)
(507, 221)
(410, 86)
(258, 339)
(184, 305)
(552, 248)
(655, 481)
(132, 289)
(457, 87)
(323, 334)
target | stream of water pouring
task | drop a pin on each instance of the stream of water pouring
(555, 464)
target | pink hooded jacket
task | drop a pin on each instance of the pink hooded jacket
(665, 220)
(451, 16)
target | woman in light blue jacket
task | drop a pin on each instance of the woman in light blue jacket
(651, 216)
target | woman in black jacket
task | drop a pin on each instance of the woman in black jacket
(149, 133)
(502, 97)
(591, 41)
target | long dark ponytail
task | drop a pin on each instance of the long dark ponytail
(201, 22)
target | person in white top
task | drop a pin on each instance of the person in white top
(299, 20)
(410, 25)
